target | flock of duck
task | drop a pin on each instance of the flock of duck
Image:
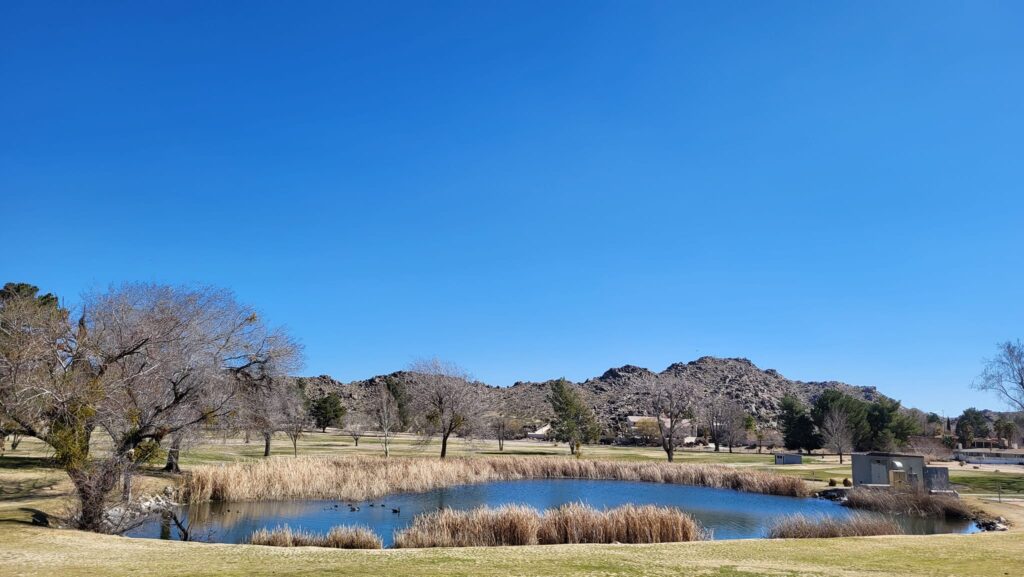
(353, 508)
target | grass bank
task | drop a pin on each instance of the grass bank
(31, 552)
(359, 478)
(569, 524)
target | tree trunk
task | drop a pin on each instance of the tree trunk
(387, 448)
(15, 441)
(840, 458)
(126, 485)
(501, 444)
(730, 447)
(92, 486)
(716, 446)
(295, 446)
(172, 456)
(246, 438)
(444, 445)
(266, 444)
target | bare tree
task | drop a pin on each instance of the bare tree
(446, 401)
(355, 427)
(836, 432)
(293, 415)
(142, 363)
(1004, 374)
(504, 426)
(723, 421)
(672, 405)
(385, 414)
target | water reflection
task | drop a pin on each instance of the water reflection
(728, 514)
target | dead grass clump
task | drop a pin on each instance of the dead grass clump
(366, 477)
(909, 502)
(340, 537)
(482, 527)
(576, 523)
(857, 525)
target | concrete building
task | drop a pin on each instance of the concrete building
(788, 459)
(897, 470)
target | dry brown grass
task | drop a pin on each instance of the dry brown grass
(577, 523)
(365, 477)
(858, 525)
(340, 537)
(916, 503)
(482, 527)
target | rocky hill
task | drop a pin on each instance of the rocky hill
(623, 391)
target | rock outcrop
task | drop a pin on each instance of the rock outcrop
(623, 390)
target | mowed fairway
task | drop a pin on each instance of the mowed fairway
(28, 485)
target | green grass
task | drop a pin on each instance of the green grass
(988, 482)
(29, 483)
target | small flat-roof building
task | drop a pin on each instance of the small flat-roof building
(788, 459)
(896, 470)
(540, 434)
(686, 429)
(990, 456)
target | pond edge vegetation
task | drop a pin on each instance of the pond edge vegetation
(914, 503)
(856, 525)
(359, 478)
(574, 523)
(508, 525)
(339, 537)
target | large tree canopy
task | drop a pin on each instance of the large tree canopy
(142, 362)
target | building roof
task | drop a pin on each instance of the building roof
(884, 454)
(992, 451)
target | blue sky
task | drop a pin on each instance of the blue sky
(539, 189)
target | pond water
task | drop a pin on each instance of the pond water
(728, 514)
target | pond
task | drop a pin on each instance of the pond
(728, 514)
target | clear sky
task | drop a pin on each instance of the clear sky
(543, 189)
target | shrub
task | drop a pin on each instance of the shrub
(340, 537)
(857, 525)
(832, 483)
(847, 482)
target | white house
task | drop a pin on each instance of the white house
(541, 433)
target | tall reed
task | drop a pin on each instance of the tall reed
(340, 537)
(576, 523)
(857, 525)
(366, 477)
(909, 502)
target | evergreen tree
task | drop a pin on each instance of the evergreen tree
(971, 425)
(798, 431)
(574, 422)
(327, 411)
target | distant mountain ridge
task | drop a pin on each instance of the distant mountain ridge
(622, 391)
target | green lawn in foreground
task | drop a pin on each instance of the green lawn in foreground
(29, 484)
